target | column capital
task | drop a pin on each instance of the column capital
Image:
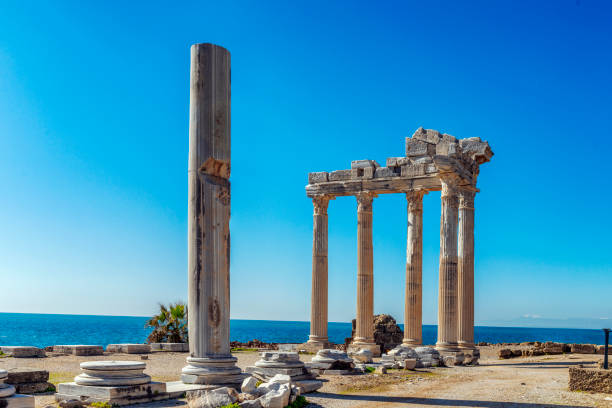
(364, 201)
(321, 203)
(450, 184)
(415, 199)
(466, 199)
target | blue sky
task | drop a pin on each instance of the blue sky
(94, 129)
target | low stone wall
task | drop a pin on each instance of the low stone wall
(550, 348)
(590, 379)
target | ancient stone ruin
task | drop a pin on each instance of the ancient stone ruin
(433, 162)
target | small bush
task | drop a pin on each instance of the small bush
(299, 402)
(234, 405)
(101, 405)
(370, 369)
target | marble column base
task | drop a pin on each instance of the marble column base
(447, 347)
(412, 343)
(114, 395)
(452, 358)
(373, 347)
(315, 344)
(214, 371)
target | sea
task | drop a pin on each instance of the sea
(40, 330)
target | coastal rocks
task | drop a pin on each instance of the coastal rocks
(174, 347)
(129, 348)
(79, 350)
(8, 397)
(278, 362)
(23, 351)
(29, 380)
(113, 382)
(331, 362)
(583, 348)
(427, 357)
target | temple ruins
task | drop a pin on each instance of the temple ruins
(433, 162)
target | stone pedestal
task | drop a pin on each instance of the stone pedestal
(318, 312)
(364, 330)
(210, 360)
(8, 398)
(447, 297)
(79, 350)
(279, 362)
(23, 351)
(129, 348)
(114, 382)
(29, 380)
(466, 270)
(413, 313)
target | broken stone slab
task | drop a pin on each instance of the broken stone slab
(23, 351)
(383, 172)
(308, 385)
(450, 359)
(114, 395)
(362, 355)
(318, 177)
(447, 149)
(34, 388)
(363, 164)
(79, 350)
(334, 359)
(277, 398)
(401, 352)
(421, 160)
(218, 397)
(427, 135)
(26, 375)
(272, 371)
(427, 357)
(129, 348)
(178, 389)
(413, 170)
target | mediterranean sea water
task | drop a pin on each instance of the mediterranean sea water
(40, 330)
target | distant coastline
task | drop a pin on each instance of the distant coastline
(40, 330)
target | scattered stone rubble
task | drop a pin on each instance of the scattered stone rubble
(549, 348)
(409, 358)
(387, 334)
(29, 380)
(279, 362)
(331, 362)
(590, 379)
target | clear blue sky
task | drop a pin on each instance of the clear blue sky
(94, 129)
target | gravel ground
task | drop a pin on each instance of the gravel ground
(535, 382)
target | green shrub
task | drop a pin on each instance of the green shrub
(370, 369)
(299, 402)
(234, 405)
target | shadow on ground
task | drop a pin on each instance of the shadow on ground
(434, 401)
(543, 364)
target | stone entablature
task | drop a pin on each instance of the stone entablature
(434, 161)
(429, 153)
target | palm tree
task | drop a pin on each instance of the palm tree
(169, 325)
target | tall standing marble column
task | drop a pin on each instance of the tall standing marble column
(364, 331)
(466, 269)
(210, 360)
(413, 312)
(318, 310)
(447, 296)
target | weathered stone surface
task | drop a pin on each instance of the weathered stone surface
(6, 390)
(386, 172)
(79, 350)
(332, 356)
(583, 348)
(23, 351)
(339, 175)
(601, 350)
(276, 398)
(308, 385)
(447, 149)
(34, 388)
(361, 355)
(26, 375)
(590, 379)
(250, 404)
(504, 353)
(120, 395)
(112, 373)
(249, 385)
(410, 364)
(415, 147)
(362, 164)
(129, 348)
(213, 399)
(413, 170)
(427, 135)
(387, 334)
(318, 177)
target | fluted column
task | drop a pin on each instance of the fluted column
(318, 310)
(364, 331)
(413, 312)
(447, 296)
(466, 269)
(209, 361)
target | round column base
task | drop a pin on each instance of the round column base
(412, 342)
(357, 345)
(212, 370)
(464, 345)
(447, 346)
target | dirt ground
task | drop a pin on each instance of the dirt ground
(534, 382)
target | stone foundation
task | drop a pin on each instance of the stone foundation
(79, 350)
(23, 351)
(176, 347)
(29, 380)
(8, 398)
(129, 348)
(590, 379)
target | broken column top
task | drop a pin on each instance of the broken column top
(428, 153)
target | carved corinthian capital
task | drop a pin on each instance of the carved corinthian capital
(415, 200)
(320, 204)
(466, 199)
(450, 184)
(364, 201)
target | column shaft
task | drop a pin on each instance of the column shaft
(447, 297)
(413, 311)
(466, 269)
(364, 332)
(318, 311)
(210, 360)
